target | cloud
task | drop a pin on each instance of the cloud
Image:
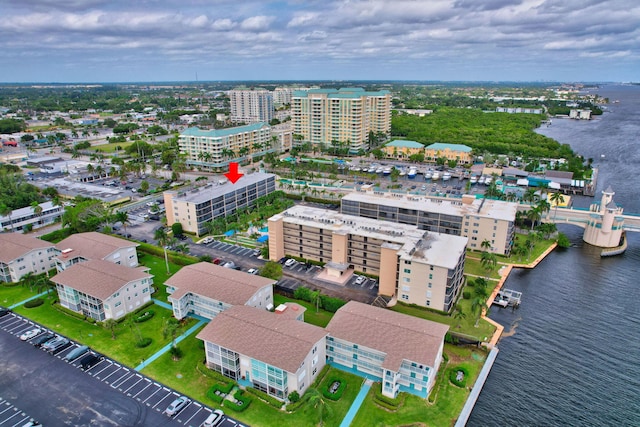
(257, 23)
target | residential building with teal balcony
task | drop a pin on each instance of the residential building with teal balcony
(402, 352)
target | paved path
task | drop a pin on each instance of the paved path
(355, 406)
(167, 347)
(28, 299)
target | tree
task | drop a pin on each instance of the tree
(111, 325)
(6, 211)
(170, 329)
(459, 315)
(123, 218)
(272, 270)
(177, 229)
(315, 299)
(478, 304)
(317, 401)
(533, 215)
(485, 245)
(163, 240)
(488, 261)
(556, 198)
(37, 210)
(144, 186)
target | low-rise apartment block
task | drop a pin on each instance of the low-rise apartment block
(419, 267)
(476, 219)
(206, 289)
(402, 149)
(195, 207)
(93, 245)
(21, 254)
(18, 219)
(103, 290)
(403, 352)
(273, 352)
(458, 152)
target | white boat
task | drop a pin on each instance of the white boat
(473, 179)
(379, 170)
(446, 176)
(356, 169)
(386, 171)
(427, 175)
(372, 169)
(481, 180)
(488, 180)
(412, 173)
(435, 176)
(403, 172)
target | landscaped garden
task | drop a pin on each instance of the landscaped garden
(158, 268)
(13, 293)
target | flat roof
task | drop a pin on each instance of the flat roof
(404, 143)
(452, 147)
(346, 93)
(486, 208)
(399, 336)
(219, 133)
(268, 337)
(443, 250)
(214, 190)
(216, 282)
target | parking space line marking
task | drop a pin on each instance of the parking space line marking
(6, 409)
(23, 327)
(104, 379)
(99, 372)
(148, 385)
(7, 419)
(154, 406)
(19, 423)
(10, 325)
(132, 386)
(113, 383)
(186, 422)
(151, 395)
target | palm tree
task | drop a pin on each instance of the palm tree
(37, 210)
(543, 206)
(533, 215)
(111, 325)
(163, 240)
(488, 261)
(459, 315)
(5, 210)
(557, 198)
(478, 305)
(123, 217)
(486, 245)
(317, 401)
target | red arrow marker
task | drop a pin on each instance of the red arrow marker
(233, 175)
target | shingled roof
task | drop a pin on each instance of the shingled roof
(15, 245)
(93, 245)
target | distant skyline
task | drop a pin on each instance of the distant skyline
(466, 40)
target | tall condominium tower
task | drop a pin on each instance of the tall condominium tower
(251, 106)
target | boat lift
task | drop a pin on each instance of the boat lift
(507, 297)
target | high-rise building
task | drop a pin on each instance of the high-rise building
(251, 106)
(343, 116)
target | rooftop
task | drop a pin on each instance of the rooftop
(404, 143)
(399, 336)
(99, 278)
(212, 191)
(219, 133)
(268, 337)
(452, 147)
(15, 245)
(92, 245)
(350, 92)
(22, 212)
(216, 282)
(495, 209)
(437, 249)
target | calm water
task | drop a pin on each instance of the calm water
(570, 354)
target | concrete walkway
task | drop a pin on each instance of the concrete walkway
(28, 299)
(167, 347)
(477, 388)
(355, 406)
(162, 304)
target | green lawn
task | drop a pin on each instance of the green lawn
(466, 326)
(539, 247)
(321, 318)
(13, 294)
(473, 266)
(158, 268)
(449, 399)
(122, 349)
(111, 147)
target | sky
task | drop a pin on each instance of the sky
(449, 40)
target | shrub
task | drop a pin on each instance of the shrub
(331, 304)
(265, 397)
(338, 394)
(68, 312)
(453, 372)
(294, 396)
(220, 388)
(56, 236)
(34, 303)
(387, 402)
(144, 316)
(239, 395)
(302, 293)
(144, 342)
(175, 352)
(466, 295)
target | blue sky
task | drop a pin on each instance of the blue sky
(170, 40)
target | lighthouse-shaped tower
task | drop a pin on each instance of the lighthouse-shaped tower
(605, 222)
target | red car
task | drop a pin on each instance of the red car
(217, 261)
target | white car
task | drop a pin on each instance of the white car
(252, 271)
(290, 262)
(360, 280)
(31, 333)
(176, 406)
(214, 419)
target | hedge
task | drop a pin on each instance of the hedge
(454, 371)
(331, 304)
(239, 395)
(68, 312)
(223, 388)
(338, 394)
(57, 235)
(265, 397)
(387, 402)
(34, 303)
(147, 315)
(144, 342)
(174, 257)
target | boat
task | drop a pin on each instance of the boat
(473, 179)
(386, 171)
(402, 172)
(356, 169)
(481, 180)
(446, 176)
(427, 175)
(372, 169)
(435, 176)
(488, 180)
(412, 173)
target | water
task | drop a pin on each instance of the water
(570, 353)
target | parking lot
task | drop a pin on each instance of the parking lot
(34, 382)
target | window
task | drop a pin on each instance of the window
(406, 279)
(408, 271)
(430, 276)
(406, 288)
(118, 304)
(405, 297)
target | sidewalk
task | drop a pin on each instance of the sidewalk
(167, 347)
(355, 406)
(28, 299)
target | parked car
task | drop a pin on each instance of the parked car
(257, 252)
(89, 361)
(42, 339)
(214, 419)
(229, 264)
(31, 333)
(75, 353)
(360, 280)
(56, 345)
(290, 262)
(176, 406)
(217, 261)
(252, 271)
(4, 311)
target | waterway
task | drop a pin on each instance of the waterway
(570, 353)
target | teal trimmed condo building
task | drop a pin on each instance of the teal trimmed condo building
(403, 149)
(403, 352)
(461, 153)
(214, 149)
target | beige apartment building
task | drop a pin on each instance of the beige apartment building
(103, 290)
(416, 266)
(195, 207)
(93, 245)
(214, 149)
(475, 219)
(251, 106)
(345, 115)
(21, 254)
